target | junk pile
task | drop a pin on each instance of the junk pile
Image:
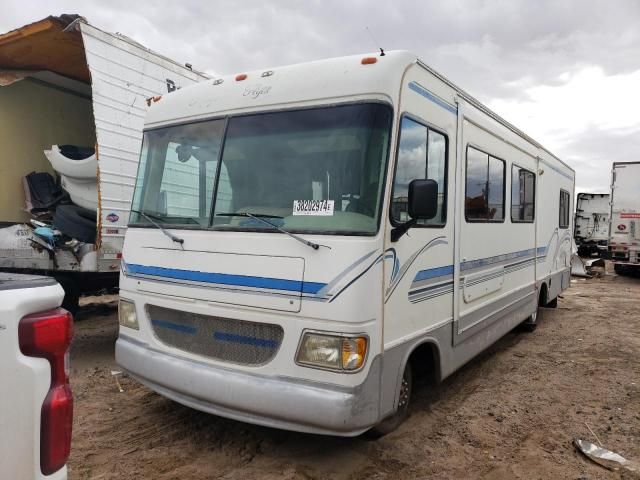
(64, 210)
(78, 170)
(585, 268)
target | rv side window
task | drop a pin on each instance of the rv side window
(484, 198)
(422, 153)
(523, 184)
(564, 209)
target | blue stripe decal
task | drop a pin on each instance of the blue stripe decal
(437, 286)
(433, 273)
(482, 262)
(227, 279)
(430, 96)
(234, 338)
(175, 326)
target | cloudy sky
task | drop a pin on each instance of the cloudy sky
(566, 72)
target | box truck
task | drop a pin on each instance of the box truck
(72, 104)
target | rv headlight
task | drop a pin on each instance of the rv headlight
(332, 351)
(127, 314)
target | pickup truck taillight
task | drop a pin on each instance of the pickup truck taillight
(48, 335)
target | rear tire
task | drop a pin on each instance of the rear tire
(530, 324)
(389, 424)
(71, 301)
(76, 222)
(552, 304)
(619, 269)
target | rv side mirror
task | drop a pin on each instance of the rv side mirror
(423, 205)
(423, 199)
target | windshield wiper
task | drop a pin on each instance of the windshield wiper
(262, 218)
(167, 233)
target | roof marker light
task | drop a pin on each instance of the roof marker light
(368, 60)
(241, 77)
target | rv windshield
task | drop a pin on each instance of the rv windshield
(316, 170)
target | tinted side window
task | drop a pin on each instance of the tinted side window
(564, 209)
(421, 154)
(475, 204)
(523, 184)
(436, 170)
(496, 189)
(484, 198)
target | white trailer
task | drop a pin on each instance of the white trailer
(592, 223)
(359, 220)
(624, 223)
(65, 81)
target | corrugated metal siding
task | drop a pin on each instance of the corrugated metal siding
(123, 76)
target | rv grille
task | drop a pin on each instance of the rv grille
(226, 339)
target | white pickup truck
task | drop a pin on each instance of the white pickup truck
(36, 404)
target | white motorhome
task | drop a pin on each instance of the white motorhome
(355, 220)
(65, 81)
(624, 222)
(592, 223)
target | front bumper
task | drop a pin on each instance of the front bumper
(280, 402)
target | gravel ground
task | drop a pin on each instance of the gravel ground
(510, 413)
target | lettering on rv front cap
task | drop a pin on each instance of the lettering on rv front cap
(255, 92)
(171, 86)
(313, 207)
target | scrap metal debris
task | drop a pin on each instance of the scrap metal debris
(604, 457)
(585, 268)
(116, 374)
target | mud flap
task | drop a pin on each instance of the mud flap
(577, 267)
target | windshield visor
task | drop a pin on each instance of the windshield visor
(317, 170)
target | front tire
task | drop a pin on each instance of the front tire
(389, 424)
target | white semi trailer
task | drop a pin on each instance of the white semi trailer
(65, 81)
(624, 224)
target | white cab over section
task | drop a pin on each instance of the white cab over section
(592, 223)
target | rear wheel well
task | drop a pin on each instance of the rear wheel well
(544, 294)
(425, 363)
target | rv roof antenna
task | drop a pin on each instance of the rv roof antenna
(382, 54)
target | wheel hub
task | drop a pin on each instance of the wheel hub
(404, 393)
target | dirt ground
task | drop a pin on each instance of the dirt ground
(511, 413)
